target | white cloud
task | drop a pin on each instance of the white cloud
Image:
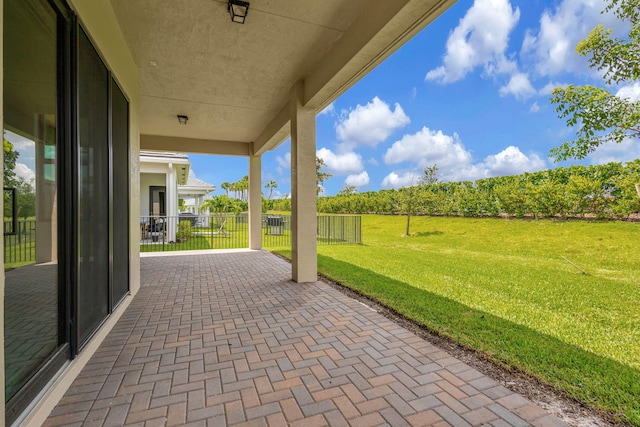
(480, 39)
(549, 87)
(511, 161)
(359, 180)
(341, 164)
(534, 108)
(400, 179)
(632, 92)
(625, 151)
(329, 109)
(552, 48)
(373, 161)
(518, 86)
(23, 171)
(284, 162)
(454, 161)
(427, 147)
(369, 124)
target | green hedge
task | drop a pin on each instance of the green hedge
(602, 191)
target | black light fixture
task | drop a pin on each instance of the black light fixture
(238, 10)
(182, 119)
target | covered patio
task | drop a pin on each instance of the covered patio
(227, 338)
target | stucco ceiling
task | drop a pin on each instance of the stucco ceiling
(233, 80)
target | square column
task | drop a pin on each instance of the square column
(304, 257)
(255, 202)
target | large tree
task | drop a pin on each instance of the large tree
(600, 115)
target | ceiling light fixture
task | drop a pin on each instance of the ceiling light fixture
(183, 119)
(238, 10)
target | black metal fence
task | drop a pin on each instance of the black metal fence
(230, 231)
(19, 244)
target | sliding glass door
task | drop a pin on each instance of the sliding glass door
(66, 194)
(35, 292)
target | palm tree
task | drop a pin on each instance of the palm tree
(226, 186)
(271, 185)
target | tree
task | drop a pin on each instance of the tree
(321, 176)
(348, 190)
(9, 165)
(271, 185)
(226, 186)
(429, 175)
(603, 116)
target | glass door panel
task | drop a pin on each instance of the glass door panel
(93, 189)
(30, 158)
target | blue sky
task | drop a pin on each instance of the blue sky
(470, 94)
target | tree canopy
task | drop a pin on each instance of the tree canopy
(601, 115)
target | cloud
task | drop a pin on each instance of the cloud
(454, 161)
(329, 109)
(552, 47)
(549, 87)
(632, 92)
(359, 180)
(285, 161)
(427, 147)
(373, 161)
(400, 179)
(511, 161)
(518, 86)
(534, 108)
(23, 171)
(369, 124)
(341, 164)
(627, 150)
(480, 39)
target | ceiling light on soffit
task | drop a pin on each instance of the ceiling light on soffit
(238, 10)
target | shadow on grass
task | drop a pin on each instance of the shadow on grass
(428, 233)
(594, 380)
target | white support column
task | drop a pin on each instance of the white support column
(304, 259)
(171, 203)
(255, 202)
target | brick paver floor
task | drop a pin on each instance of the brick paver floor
(225, 339)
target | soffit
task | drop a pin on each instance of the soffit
(232, 79)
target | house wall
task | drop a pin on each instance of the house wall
(98, 20)
(147, 180)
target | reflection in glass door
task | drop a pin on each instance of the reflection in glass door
(30, 134)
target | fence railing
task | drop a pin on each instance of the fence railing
(19, 246)
(230, 231)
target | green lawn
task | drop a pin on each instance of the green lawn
(502, 287)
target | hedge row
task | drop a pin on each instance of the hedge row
(602, 191)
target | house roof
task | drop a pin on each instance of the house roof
(152, 162)
(234, 81)
(195, 187)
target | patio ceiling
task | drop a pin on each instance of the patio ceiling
(233, 81)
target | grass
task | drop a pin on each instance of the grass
(503, 288)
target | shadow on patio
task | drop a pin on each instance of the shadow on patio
(225, 338)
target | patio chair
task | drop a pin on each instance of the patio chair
(221, 230)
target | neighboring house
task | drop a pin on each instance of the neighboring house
(164, 179)
(194, 192)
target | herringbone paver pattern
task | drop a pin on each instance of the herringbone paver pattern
(226, 339)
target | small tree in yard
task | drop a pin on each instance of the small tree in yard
(601, 115)
(321, 175)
